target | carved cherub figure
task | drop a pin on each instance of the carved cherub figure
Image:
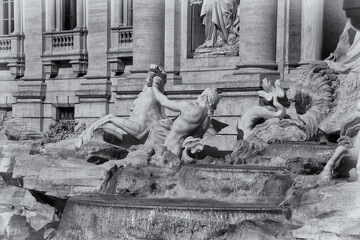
(145, 111)
(194, 118)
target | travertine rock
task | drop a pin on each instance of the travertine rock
(21, 215)
(329, 213)
(13, 226)
(18, 129)
(8, 154)
(61, 177)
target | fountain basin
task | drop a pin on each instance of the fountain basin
(240, 183)
(99, 216)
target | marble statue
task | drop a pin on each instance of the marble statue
(145, 111)
(346, 155)
(194, 118)
(346, 60)
(346, 56)
(249, 119)
(220, 19)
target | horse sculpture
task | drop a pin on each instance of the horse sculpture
(145, 111)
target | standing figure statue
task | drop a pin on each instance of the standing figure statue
(218, 16)
(194, 118)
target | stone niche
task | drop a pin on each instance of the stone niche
(212, 63)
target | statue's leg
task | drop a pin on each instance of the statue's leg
(130, 127)
(86, 135)
(325, 175)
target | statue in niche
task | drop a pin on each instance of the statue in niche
(221, 21)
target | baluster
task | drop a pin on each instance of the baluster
(66, 41)
(127, 37)
(62, 41)
(121, 38)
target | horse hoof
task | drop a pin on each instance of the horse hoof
(79, 144)
(323, 180)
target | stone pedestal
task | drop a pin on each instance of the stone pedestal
(94, 96)
(148, 43)
(30, 103)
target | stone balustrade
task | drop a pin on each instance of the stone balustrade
(125, 37)
(121, 47)
(5, 44)
(68, 45)
(63, 42)
(12, 53)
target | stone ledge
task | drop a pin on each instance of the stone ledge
(141, 218)
(244, 183)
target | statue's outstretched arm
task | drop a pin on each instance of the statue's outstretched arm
(176, 106)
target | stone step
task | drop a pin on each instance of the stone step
(239, 183)
(98, 216)
(288, 150)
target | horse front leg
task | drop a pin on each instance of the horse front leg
(87, 135)
(325, 175)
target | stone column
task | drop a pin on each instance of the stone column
(116, 13)
(50, 15)
(148, 36)
(257, 40)
(58, 15)
(172, 40)
(311, 30)
(17, 16)
(288, 35)
(80, 14)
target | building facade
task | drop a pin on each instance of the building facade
(82, 59)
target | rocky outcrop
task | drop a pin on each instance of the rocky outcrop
(18, 129)
(61, 178)
(332, 212)
(23, 217)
